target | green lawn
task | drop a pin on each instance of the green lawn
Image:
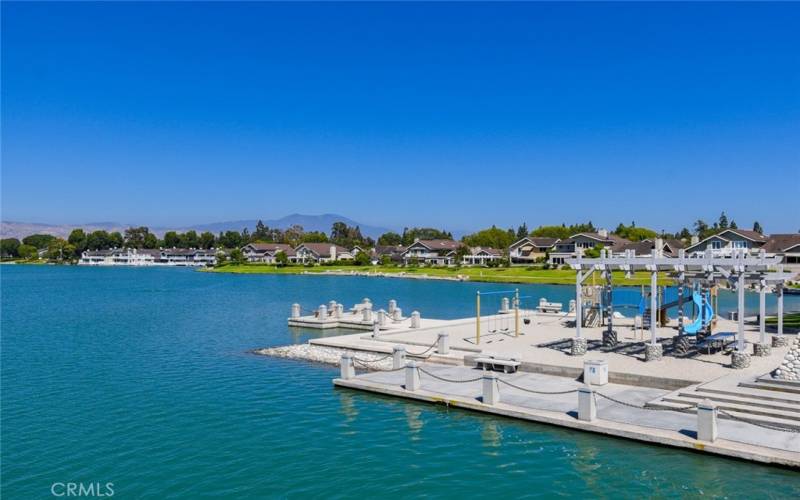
(789, 320)
(495, 275)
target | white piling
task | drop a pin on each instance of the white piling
(491, 392)
(412, 377)
(392, 306)
(706, 421)
(587, 410)
(295, 310)
(332, 306)
(415, 319)
(366, 314)
(398, 357)
(322, 312)
(376, 329)
(397, 315)
(347, 369)
(504, 305)
(339, 310)
(443, 343)
(381, 317)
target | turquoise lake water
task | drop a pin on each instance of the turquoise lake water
(141, 377)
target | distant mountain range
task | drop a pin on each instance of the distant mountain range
(12, 229)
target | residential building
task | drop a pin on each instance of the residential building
(394, 252)
(321, 252)
(266, 252)
(727, 242)
(668, 247)
(431, 252)
(786, 246)
(579, 243)
(481, 256)
(149, 257)
(530, 249)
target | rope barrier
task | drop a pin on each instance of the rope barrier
(426, 351)
(426, 372)
(533, 391)
(758, 424)
(630, 405)
(373, 360)
(369, 366)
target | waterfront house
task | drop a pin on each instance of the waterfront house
(481, 256)
(726, 242)
(530, 249)
(668, 247)
(394, 252)
(149, 257)
(266, 252)
(318, 253)
(579, 243)
(786, 246)
(431, 252)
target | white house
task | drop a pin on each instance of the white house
(265, 252)
(529, 249)
(321, 252)
(725, 243)
(431, 252)
(149, 257)
(481, 256)
(579, 243)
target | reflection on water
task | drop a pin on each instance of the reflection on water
(414, 421)
(491, 436)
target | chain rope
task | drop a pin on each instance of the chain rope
(685, 409)
(758, 424)
(426, 372)
(533, 391)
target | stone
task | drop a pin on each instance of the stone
(762, 350)
(740, 360)
(579, 346)
(653, 352)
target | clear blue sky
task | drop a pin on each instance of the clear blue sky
(455, 115)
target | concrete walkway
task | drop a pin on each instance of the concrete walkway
(738, 439)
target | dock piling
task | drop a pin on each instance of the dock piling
(415, 319)
(587, 408)
(706, 421)
(295, 310)
(412, 377)
(398, 357)
(443, 343)
(491, 392)
(347, 369)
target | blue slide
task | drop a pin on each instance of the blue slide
(702, 319)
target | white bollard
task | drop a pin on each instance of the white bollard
(572, 306)
(332, 305)
(587, 411)
(504, 305)
(415, 319)
(367, 302)
(398, 357)
(706, 421)
(322, 313)
(397, 315)
(348, 371)
(366, 314)
(412, 376)
(491, 392)
(392, 306)
(376, 329)
(295, 310)
(382, 317)
(339, 310)
(443, 343)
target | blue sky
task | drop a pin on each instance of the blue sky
(455, 115)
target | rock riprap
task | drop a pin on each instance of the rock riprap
(790, 366)
(328, 355)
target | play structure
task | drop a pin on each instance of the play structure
(507, 310)
(701, 275)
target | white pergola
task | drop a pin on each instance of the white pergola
(739, 269)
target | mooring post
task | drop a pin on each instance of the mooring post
(295, 310)
(397, 315)
(322, 313)
(415, 319)
(587, 410)
(491, 392)
(339, 310)
(443, 343)
(366, 314)
(347, 369)
(412, 376)
(392, 306)
(382, 317)
(706, 421)
(398, 357)
(376, 329)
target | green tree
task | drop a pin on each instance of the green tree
(150, 241)
(116, 240)
(98, 240)
(60, 250)
(634, 233)
(390, 239)
(424, 233)
(189, 239)
(593, 253)
(261, 233)
(723, 221)
(314, 237)
(237, 256)
(135, 236)
(493, 237)
(362, 259)
(522, 231)
(206, 239)
(9, 247)
(78, 239)
(733, 225)
(757, 228)
(40, 241)
(561, 232)
(171, 239)
(685, 234)
(27, 251)
(281, 259)
(231, 239)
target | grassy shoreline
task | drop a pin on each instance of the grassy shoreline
(477, 274)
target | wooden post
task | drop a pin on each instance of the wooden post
(478, 318)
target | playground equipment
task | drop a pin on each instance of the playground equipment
(501, 321)
(704, 316)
